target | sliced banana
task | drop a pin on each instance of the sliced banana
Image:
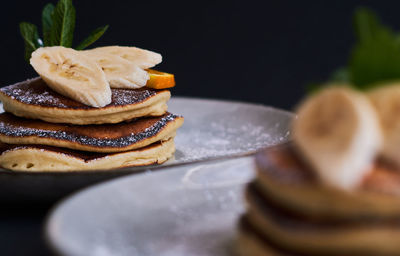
(72, 74)
(386, 101)
(338, 132)
(120, 73)
(142, 58)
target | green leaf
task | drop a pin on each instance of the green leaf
(376, 56)
(366, 25)
(375, 61)
(93, 37)
(63, 24)
(31, 38)
(47, 23)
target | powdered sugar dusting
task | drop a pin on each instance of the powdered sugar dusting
(121, 97)
(223, 141)
(11, 130)
(219, 129)
(36, 92)
(31, 95)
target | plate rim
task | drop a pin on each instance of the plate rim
(51, 213)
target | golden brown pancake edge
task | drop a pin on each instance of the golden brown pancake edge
(40, 158)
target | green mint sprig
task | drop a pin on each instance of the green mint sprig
(31, 38)
(58, 25)
(375, 57)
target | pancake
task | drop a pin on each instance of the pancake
(250, 242)
(316, 237)
(34, 99)
(95, 138)
(284, 178)
(37, 158)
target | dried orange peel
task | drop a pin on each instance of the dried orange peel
(160, 80)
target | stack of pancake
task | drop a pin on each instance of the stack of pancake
(290, 212)
(42, 130)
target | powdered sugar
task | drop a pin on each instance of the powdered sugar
(225, 141)
(32, 95)
(36, 92)
(12, 130)
(219, 129)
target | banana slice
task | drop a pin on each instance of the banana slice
(120, 73)
(338, 132)
(386, 101)
(142, 58)
(72, 74)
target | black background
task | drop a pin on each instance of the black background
(257, 51)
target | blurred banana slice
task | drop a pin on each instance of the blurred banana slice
(386, 101)
(338, 132)
(142, 58)
(120, 73)
(72, 74)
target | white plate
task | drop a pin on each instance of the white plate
(180, 211)
(212, 129)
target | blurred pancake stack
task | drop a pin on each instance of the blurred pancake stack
(333, 190)
(291, 213)
(89, 110)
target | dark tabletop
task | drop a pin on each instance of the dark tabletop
(21, 231)
(26, 200)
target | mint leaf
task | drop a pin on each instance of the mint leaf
(366, 25)
(375, 61)
(58, 25)
(63, 24)
(47, 23)
(31, 38)
(376, 56)
(93, 37)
